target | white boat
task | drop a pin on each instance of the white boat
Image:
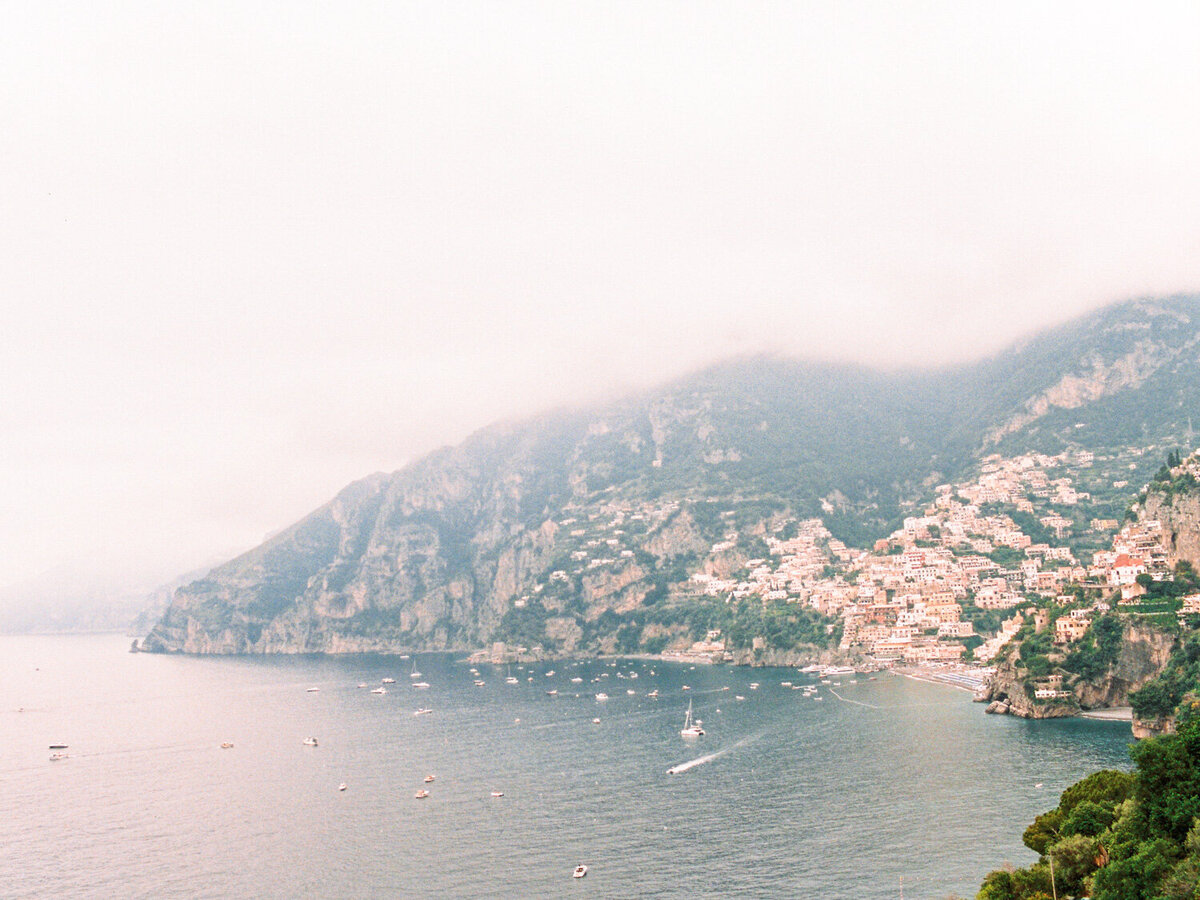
(379, 690)
(342, 786)
(55, 757)
(497, 793)
(313, 690)
(690, 728)
(226, 745)
(388, 680)
(414, 673)
(512, 679)
(423, 711)
(429, 779)
(576, 680)
(738, 697)
(421, 684)
(602, 696)
(479, 683)
(552, 693)
(653, 693)
(579, 872)
(310, 742)
(362, 684)
(630, 692)
(421, 794)
(754, 685)
(595, 721)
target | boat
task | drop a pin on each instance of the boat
(579, 872)
(738, 697)
(421, 794)
(226, 745)
(414, 673)
(429, 779)
(379, 690)
(362, 684)
(423, 711)
(630, 692)
(595, 721)
(313, 690)
(388, 680)
(511, 679)
(576, 680)
(497, 793)
(342, 786)
(754, 685)
(653, 693)
(310, 742)
(479, 683)
(552, 693)
(690, 728)
(602, 696)
(421, 684)
(55, 757)
(58, 746)
(785, 683)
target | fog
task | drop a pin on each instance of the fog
(256, 251)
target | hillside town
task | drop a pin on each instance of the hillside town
(917, 595)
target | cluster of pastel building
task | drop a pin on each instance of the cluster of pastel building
(904, 600)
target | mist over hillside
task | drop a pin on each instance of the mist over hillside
(437, 554)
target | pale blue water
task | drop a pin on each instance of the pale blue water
(806, 798)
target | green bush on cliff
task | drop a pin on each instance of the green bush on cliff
(1119, 835)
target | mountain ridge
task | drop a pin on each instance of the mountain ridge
(437, 554)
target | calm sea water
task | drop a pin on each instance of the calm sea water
(838, 798)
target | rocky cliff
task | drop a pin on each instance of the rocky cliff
(1179, 513)
(1143, 653)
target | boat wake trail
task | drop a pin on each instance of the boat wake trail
(682, 767)
(856, 702)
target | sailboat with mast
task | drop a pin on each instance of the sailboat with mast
(690, 728)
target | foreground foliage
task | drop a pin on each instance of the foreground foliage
(1119, 835)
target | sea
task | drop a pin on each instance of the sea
(881, 788)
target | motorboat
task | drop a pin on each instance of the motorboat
(342, 786)
(429, 779)
(579, 872)
(55, 757)
(479, 683)
(602, 696)
(313, 690)
(421, 794)
(497, 793)
(226, 745)
(388, 680)
(596, 721)
(362, 684)
(690, 728)
(379, 690)
(423, 711)
(310, 742)
(421, 684)
(552, 693)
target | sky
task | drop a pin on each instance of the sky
(254, 251)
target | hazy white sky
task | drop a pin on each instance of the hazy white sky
(254, 251)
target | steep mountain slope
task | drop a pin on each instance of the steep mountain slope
(475, 543)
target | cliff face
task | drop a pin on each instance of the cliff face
(1180, 517)
(1144, 653)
